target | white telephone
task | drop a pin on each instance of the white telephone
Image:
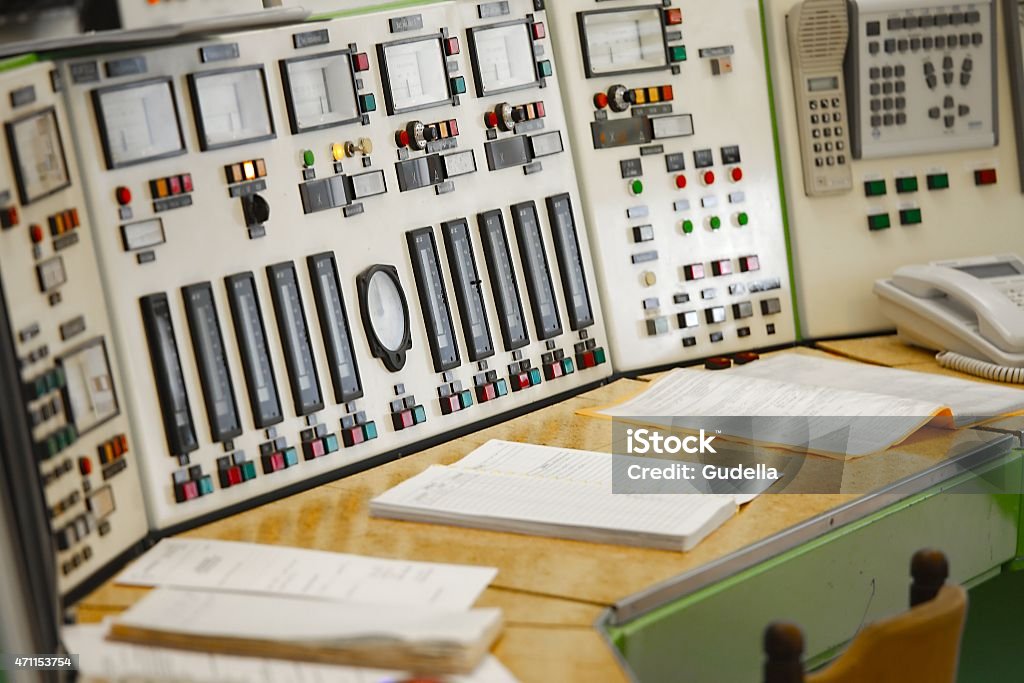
(973, 308)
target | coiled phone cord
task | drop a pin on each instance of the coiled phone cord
(980, 368)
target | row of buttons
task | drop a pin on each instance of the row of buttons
(874, 28)
(696, 271)
(882, 221)
(356, 429)
(191, 483)
(235, 469)
(715, 315)
(927, 43)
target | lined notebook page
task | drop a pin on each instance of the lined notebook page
(554, 507)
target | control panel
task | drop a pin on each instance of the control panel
(142, 14)
(672, 129)
(59, 332)
(334, 243)
(929, 176)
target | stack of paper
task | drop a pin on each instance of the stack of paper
(814, 405)
(544, 491)
(102, 661)
(289, 603)
(307, 630)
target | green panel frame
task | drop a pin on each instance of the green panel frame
(831, 585)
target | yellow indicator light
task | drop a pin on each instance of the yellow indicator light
(338, 151)
(249, 169)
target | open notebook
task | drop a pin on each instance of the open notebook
(409, 638)
(545, 491)
(812, 404)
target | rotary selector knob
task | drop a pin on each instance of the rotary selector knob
(362, 146)
(618, 98)
(417, 134)
(430, 134)
(506, 121)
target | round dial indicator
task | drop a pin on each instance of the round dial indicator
(385, 314)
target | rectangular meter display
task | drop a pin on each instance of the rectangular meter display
(298, 350)
(208, 346)
(503, 58)
(468, 289)
(437, 315)
(415, 74)
(619, 41)
(232, 107)
(538, 273)
(89, 393)
(330, 308)
(570, 261)
(170, 381)
(251, 334)
(37, 155)
(320, 90)
(138, 122)
(503, 280)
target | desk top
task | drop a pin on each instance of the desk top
(552, 590)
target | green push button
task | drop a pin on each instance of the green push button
(568, 367)
(677, 53)
(501, 386)
(879, 221)
(875, 188)
(368, 103)
(206, 485)
(466, 399)
(687, 227)
(908, 184)
(307, 158)
(545, 69)
(419, 415)
(910, 216)
(742, 218)
(636, 187)
(248, 470)
(291, 457)
(938, 181)
(331, 443)
(715, 222)
(534, 376)
(370, 430)
(458, 85)
(599, 356)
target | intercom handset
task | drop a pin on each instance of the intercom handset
(921, 76)
(818, 34)
(971, 306)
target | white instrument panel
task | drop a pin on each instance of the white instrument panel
(74, 400)
(305, 288)
(136, 14)
(906, 208)
(672, 131)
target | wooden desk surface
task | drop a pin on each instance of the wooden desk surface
(552, 590)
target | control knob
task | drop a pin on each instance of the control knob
(256, 209)
(617, 98)
(417, 134)
(506, 121)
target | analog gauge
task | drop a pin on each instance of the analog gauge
(503, 58)
(385, 314)
(38, 155)
(415, 74)
(623, 41)
(321, 91)
(138, 122)
(231, 107)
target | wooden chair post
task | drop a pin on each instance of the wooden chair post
(929, 569)
(784, 645)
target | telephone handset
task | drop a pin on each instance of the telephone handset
(973, 307)
(818, 35)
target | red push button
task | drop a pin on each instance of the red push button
(736, 174)
(402, 138)
(491, 119)
(694, 271)
(277, 461)
(749, 264)
(722, 267)
(600, 100)
(36, 233)
(681, 181)
(451, 46)
(235, 475)
(124, 195)
(85, 466)
(190, 489)
(360, 61)
(352, 437)
(175, 183)
(666, 93)
(985, 176)
(186, 182)
(708, 177)
(673, 16)
(538, 31)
